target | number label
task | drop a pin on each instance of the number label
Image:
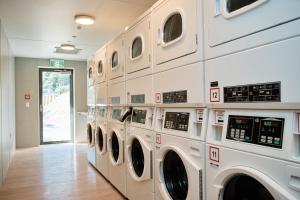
(214, 154)
(214, 94)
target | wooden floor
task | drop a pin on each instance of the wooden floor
(55, 172)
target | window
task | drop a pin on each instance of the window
(114, 59)
(100, 67)
(173, 28)
(136, 48)
(233, 5)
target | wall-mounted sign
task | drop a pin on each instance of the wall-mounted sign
(56, 63)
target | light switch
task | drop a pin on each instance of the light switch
(27, 104)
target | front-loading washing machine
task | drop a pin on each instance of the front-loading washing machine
(91, 125)
(116, 139)
(237, 25)
(100, 66)
(253, 154)
(177, 33)
(180, 153)
(262, 77)
(138, 47)
(101, 129)
(115, 60)
(140, 154)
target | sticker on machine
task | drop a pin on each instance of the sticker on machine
(214, 94)
(214, 154)
(157, 98)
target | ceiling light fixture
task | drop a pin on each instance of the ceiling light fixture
(67, 47)
(84, 19)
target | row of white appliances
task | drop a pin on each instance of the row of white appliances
(213, 108)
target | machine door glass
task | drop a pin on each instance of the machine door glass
(137, 157)
(229, 20)
(174, 30)
(137, 47)
(100, 68)
(175, 176)
(115, 146)
(245, 187)
(100, 138)
(114, 60)
(89, 133)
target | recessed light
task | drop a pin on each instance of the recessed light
(84, 19)
(67, 47)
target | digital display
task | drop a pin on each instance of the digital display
(139, 116)
(177, 121)
(116, 114)
(257, 130)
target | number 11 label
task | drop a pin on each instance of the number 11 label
(214, 154)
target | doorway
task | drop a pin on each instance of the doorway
(56, 105)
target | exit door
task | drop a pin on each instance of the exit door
(56, 105)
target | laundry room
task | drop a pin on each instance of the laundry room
(149, 100)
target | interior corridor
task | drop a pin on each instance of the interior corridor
(57, 172)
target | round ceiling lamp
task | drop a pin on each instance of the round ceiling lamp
(84, 19)
(67, 47)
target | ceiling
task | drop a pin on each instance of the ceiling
(36, 27)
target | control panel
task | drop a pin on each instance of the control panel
(265, 92)
(266, 131)
(116, 114)
(139, 116)
(177, 121)
(175, 97)
(138, 98)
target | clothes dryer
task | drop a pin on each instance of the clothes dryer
(237, 25)
(116, 148)
(138, 47)
(179, 153)
(177, 33)
(140, 154)
(115, 56)
(253, 154)
(90, 71)
(262, 77)
(101, 66)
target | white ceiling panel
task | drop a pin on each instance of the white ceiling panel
(35, 27)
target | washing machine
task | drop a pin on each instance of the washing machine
(172, 87)
(115, 56)
(91, 125)
(116, 139)
(137, 40)
(253, 154)
(230, 27)
(90, 71)
(100, 66)
(262, 77)
(180, 153)
(177, 33)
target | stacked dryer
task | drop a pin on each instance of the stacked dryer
(139, 91)
(91, 122)
(178, 80)
(251, 76)
(101, 111)
(116, 137)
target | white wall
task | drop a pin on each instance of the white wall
(27, 81)
(7, 102)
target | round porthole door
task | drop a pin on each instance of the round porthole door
(101, 140)
(175, 176)
(116, 146)
(139, 156)
(173, 28)
(89, 131)
(242, 187)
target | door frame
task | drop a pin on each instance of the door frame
(45, 69)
